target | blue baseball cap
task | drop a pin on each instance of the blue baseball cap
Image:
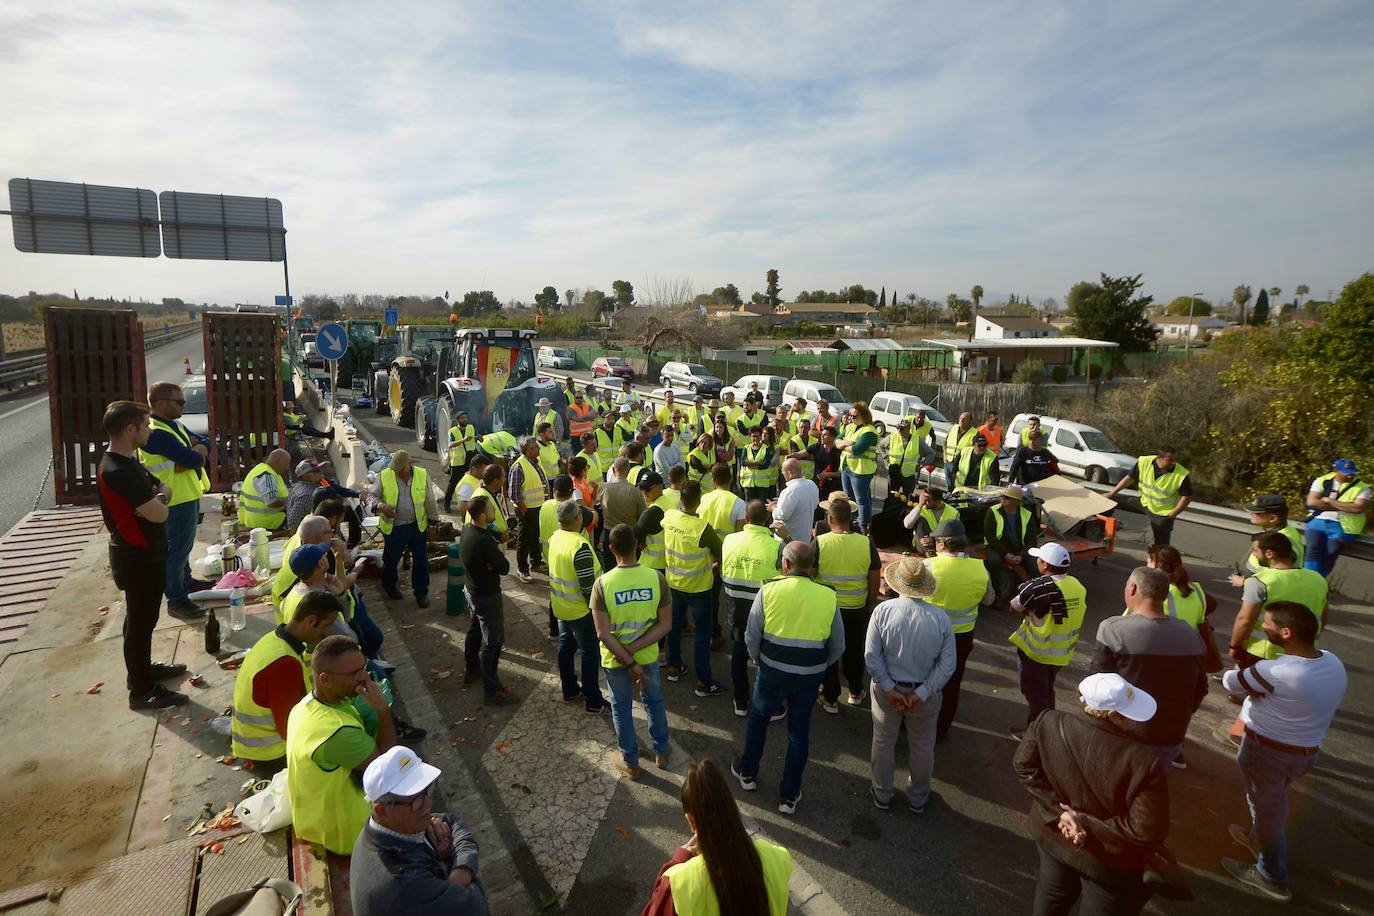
(305, 558)
(1344, 465)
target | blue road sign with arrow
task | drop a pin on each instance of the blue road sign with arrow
(331, 340)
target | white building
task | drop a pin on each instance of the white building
(1006, 327)
(1178, 327)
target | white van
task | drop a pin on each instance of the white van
(889, 407)
(556, 358)
(813, 392)
(1081, 450)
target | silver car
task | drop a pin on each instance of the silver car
(695, 377)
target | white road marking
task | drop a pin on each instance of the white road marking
(24, 408)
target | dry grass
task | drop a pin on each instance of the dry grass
(28, 335)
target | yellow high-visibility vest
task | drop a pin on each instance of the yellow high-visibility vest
(1158, 492)
(252, 729)
(254, 512)
(187, 483)
(844, 558)
(1052, 642)
(391, 491)
(632, 595)
(688, 563)
(327, 807)
(1305, 586)
(960, 584)
(565, 595)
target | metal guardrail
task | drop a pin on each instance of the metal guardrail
(25, 370)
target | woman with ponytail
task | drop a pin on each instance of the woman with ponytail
(1186, 601)
(720, 871)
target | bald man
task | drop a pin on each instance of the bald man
(794, 514)
(262, 502)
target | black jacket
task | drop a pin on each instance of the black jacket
(483, 560)
(1118, 788)
(390, 875)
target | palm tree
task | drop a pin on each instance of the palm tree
(977, 295)
(1301, 291)
(1241, 295)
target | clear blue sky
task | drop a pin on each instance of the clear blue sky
(423, 147)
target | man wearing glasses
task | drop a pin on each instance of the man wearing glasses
(407, 859)
(176, 457)
(326, 743)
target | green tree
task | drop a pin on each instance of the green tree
(475, 303)
(547, 298)
(726, 295)
(1114, 312)
(977, 295)
(758, 298)
(1260, 317)
(594, 301)
(568, 297)
(1029, 372)
(1078, 293)
(1302, 290)
(1241, 297)
(774, 291)
(1181, 304)
(959, 309)
(624, 293)
(882, 300)
(1345, 338)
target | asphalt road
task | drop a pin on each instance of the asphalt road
(26, 435)
(969, 853)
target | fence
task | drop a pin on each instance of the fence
(243, 364)
(94, 356)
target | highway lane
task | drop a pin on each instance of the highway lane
(26, 439)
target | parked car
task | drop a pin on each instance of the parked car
(813, 392)
(889, 407)
(1082, 450)
(612, 367)
(770, 385)
(195, 413)
(695, 377)
(556, 358)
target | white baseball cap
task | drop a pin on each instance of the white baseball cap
(1052, 553)
(399, 771)
(1113, 693)
(624, 408)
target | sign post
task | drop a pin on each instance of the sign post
(391, 318)
(331, 340)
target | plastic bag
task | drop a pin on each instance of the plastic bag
(269, 809)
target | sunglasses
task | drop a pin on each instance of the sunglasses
(414, 802)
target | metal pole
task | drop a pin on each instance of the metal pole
(1187, 341)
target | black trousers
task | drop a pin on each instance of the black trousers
(949, 694)
(1060, 886)
(1162, 527)
(455, 474)
(527, 549)
(855, 622)
(896, 482)
(739, 653)
(140, 576)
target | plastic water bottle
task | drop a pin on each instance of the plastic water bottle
(238, 618)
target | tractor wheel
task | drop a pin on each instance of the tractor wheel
(406, 384)
(443, 422)
(381, 386)
(424, 426)
(345, 371)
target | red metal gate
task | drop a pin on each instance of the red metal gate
(95, 356)
(243, 390)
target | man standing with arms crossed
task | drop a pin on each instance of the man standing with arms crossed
(632, 612)
(177, 459)
(134, 506)
(1340, 500)
(528, 487)
(794, 634)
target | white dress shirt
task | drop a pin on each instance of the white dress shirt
(796, 508)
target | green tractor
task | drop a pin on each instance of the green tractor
(412, 369)
(362, 341)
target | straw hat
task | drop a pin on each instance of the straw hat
(838, 497)
(911, 577)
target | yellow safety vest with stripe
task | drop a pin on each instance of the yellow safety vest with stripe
(752, 477)
(632, 598)
(984, 468)
(1190, 610)
(565, 595)
(955, 441)
(327, 807)
(998, 526)
(707, 458)
(843, 559)
(534, 484)
(693, 894)
(1052, 642)
(253, 511)
(748, 558)
(498, 517)
(1158, 492)
(808, 464)
(654, 555)
(550, 417)
(457, 449)
(920, 433)
(1304, 586)
(284, 578)
(861, 464)
(252, 729)
(391, 491)
(1294, 537)
(906, 452)
(947, 514)
(608, 446)
(594, 469)
(468, 480)
(548, 459)
(798, 617)
(748, 423)
(1351, 522)
(293, 424)
(497, 444)
(688, 563)
(960, 584)
(717, 507)
(188, 483)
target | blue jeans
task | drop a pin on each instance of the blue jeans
(767, 700)
(1268, 774)
(859, 487)
(486, 635)
(401, 538)
(369, 634)
(1324, 539)
(622, 714)
(698, 604)
(182, 520)
(1166, 752)
(572, 636)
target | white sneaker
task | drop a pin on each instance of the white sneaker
(789, 806)
(832, 708)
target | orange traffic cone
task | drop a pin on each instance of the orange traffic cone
(186, 361)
